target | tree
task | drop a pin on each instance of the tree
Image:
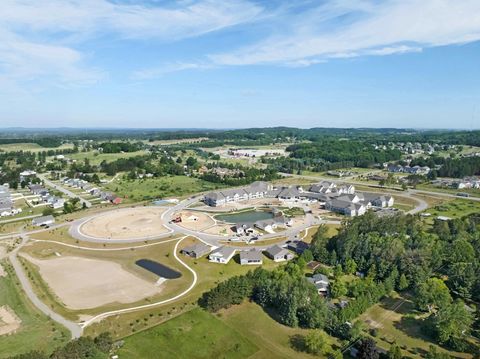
(191, 162)
(453, 322)
(432, 295)
(350, 266)
(316, 342)
(433, 353)
(367, 349)
(402, 282)
(104, 342)
(47, 211)
(338, 289)
(395, 352)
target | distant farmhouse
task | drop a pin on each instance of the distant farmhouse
(336, 198)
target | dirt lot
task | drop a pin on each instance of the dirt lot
(9, 322)
(82, 283)
(126, 223)
(195, 220)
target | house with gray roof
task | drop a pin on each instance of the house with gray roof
(43, 221)
(196, 251)
(257, 189)
(346, 207)
(278, 254)
(321, 283)
(222, 255)
(251, 257)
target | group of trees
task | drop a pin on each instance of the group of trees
(81, 348)
(117, 147)
(241, 175)
(451, 167)
(400, 253)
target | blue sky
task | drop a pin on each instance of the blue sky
(240, 63)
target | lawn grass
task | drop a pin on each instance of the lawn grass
(155, 188)
(96, 158)
(209, 275)
(396, 320)
(456, 208)
(195, 334)
(273, 339)
(36, 331)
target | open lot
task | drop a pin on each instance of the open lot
(195, 220)
(396, 320)
(456, 208)
(33, 330)
(31, 147)
(9, 322)
(82, 283)
(162, 187)
(195, 334)
(126, 223)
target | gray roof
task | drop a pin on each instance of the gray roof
(251, 255)
(199, 249)
(43, 219)
(275, 250)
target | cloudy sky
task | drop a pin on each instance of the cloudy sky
(239, 63)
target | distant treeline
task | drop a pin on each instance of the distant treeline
(456, 168)
(117, 147)
(42, 141)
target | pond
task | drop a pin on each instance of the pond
(158, 269)
(247, 216)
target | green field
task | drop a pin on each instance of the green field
(154, 188)
(31, 147)
(36, 331)
(456, 208)
(396, 320)
(195, 334)
(96, 158)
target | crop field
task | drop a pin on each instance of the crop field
(31, 147)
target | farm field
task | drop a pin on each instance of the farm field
(195, 334)
(36, 331)
(96, 158)
(31, 147)
(154, 188)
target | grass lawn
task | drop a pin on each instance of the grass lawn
(96, 158)
(428, 187)
(456, 208)
(396, 320)
(36, 331)
(274, 340)
(153, 188)
(195, 334)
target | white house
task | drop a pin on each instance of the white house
(222, 255)
(251, 257)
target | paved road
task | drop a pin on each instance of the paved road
(63, 190)
(18, 219)
(73, 327)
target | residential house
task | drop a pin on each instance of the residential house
(321, 282)
(196, 250)
(43, 221)
(278, 254)
(222, 255)
(298, 246)
(251, 257)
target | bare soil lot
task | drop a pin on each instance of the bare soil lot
(126, 223)
(82, 283)
(195, 220)
(9, 322)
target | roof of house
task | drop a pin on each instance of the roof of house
(251, 255)
(198, 248)
(223, 251)
(43, 219)
(275, 250)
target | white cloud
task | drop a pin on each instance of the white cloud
(39, 39)
(155, 72)
(350, 28)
